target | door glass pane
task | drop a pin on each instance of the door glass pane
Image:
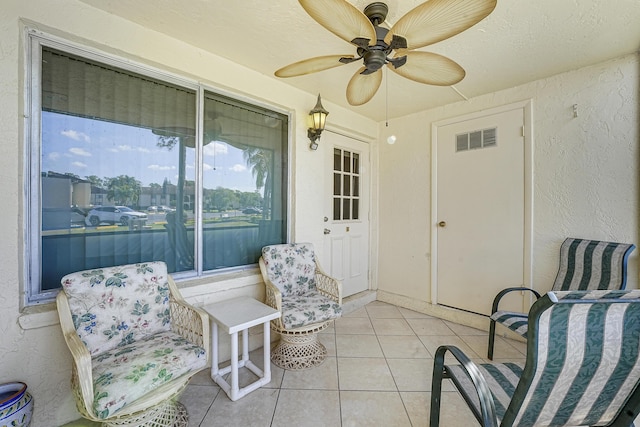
(356, 210)
(336, 184)
(337, 159)
(347, 185)
(346, 209)
(347, 161)
(356, 163)
(336, 209)
(356, 186)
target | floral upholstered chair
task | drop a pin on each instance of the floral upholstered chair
(135, 344)
(307, 298)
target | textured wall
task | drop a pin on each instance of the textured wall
(585, 172)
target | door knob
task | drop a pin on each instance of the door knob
(327, 231)
(442, 224)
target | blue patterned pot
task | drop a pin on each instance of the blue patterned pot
(16, 405)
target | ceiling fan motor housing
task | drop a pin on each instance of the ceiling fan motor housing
(376, 12)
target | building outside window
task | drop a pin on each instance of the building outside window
(131, 165)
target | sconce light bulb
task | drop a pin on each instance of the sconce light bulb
(391, 140)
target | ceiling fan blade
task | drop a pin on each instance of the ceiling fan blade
(429, 68)
(342, 19)
(311, 65)
(362, 87)
(437, 20)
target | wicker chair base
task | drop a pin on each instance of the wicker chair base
(295, 352)
(167, 414)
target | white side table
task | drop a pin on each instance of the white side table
(234, 315)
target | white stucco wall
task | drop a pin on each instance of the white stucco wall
(32, 348)
(585, 174)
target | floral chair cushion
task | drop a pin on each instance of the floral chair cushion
(291, 267)
(116, 306)
(124, 374)
(309, 308)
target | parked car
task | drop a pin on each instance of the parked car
(112, 215)
(160, 209)
(77, 217)
(252, 211)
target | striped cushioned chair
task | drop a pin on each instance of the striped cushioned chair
(584, 265)
(582, 367)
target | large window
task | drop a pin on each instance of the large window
(130, 165)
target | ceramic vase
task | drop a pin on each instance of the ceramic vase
(16, 405)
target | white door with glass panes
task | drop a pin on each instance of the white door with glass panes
(346, 217)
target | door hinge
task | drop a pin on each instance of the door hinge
(522, 131)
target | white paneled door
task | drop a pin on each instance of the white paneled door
(346, 217)
(479, 216)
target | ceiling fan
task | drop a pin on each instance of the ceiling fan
(428, 23)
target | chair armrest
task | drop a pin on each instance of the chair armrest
(273, 298)
(272, 295)
(327, 285)
(188, 321)
(504, 292)
(79, 353)
(487, 414)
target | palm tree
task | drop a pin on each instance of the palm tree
(260, 161)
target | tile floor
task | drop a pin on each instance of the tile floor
(378, 373)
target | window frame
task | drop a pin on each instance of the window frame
(31, 206)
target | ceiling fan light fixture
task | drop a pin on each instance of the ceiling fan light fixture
(318, 116)
(428, 23)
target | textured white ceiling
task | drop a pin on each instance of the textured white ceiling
(521, 41)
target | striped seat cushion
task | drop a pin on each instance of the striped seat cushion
(517, 322)
(502, 379)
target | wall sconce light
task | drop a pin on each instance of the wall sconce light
(318, 119)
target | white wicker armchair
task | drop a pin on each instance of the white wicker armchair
(135, 344)
(307, 298)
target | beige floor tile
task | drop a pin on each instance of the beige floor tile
(198, 399)
(321, 377)
(429, 326)
(432, 342)
(253, 410)
(391, 327)
(365, 374)
(354, 326)
(203, 378)
(411, 314)
(329, 341)
(412, 374)
(465, 330)
(383, 312)
(454, 412)
(379, 304)
(373, 409)
(502, 349)
(358, 346)
(307, 408)
(360, 312)
(403, 347)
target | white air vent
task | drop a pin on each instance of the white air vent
(476, 139)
